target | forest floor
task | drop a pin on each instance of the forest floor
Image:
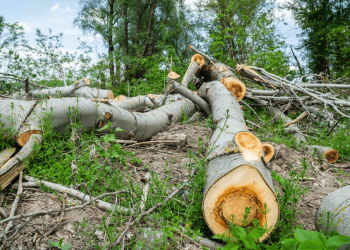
(80, 228)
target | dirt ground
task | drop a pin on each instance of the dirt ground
(161, 159)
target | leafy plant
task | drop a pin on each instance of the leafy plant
(60, 244)
(312, 240)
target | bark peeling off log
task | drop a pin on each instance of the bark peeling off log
(80, 88)
(233, 182)
(16, 164)
(338, 204)
(330, 154)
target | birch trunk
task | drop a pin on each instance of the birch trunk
(236, 176)
(79, 88)
(338, 204)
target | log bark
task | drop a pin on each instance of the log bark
(6, 154)
(220, 72)
(330, 154)
(181, 89)
(236, 176)
(132, 103)
(79, 88)
(338, 204)
(197, 61)
(135, 126)
(17, 163)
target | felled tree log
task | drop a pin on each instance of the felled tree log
(192, 96)
(136, 126)
(236, 175)
(330, 154)
(132, 103)
(18, 162)
(79, 88)
(337, 204)
(221, 72)
(197, 61)
(269, 151)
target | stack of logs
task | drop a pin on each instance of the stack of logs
(237, 176)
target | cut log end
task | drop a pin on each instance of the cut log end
(174, 76)
(249, 145)
(86, 80)
(119, 98)
(235, 86)
(198, 59)
(331, 155)
(269, 151)
(228, 198)
(110, 95)
(24, 138)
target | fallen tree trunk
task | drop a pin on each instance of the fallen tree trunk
(220, 72)
(330, 154)
(132, 103)
(236, 176)
(192, 96)
(337, 204)
(135, 126)
(79, 88)
(197, 61)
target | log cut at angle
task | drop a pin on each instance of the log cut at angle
(236, 175)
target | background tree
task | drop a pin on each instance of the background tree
(139, 34)
(325, 33)
(245, 32)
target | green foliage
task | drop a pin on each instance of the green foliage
(289, 194)
(305, 240)
(245, 33)
(325, 34)
(59, 244)
(245, 236)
